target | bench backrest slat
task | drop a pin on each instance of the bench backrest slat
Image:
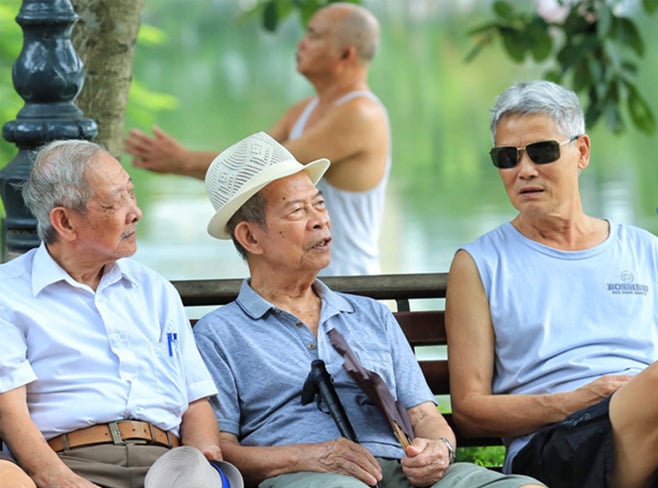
(380, 287)
(423, 328)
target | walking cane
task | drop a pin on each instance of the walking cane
(319, 381)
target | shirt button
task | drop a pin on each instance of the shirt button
(311, 346)
(298, 324)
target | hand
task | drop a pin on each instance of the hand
(426, 461)
(603, 387)
(343, 456)
(162, 153)
(213, 453)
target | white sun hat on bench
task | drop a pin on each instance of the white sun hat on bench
(187, 467)
(243, 169)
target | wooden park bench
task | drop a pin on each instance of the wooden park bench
(419, 308)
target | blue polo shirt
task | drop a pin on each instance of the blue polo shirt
(260, 357)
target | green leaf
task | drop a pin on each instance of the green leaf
(627, 33)
(604, 20)
(628, 68)
(610, 105)
(640, 111)
(612, 117)
(504, 10)
(650, 5)
(270, 16)
(553, 75)
(541, 43)
(598, 83)
(592, 112)
(572, 54)
(613, 92)
(514, 42)
(489, 26)
(575, 23)
(481, 44)
(582, 77)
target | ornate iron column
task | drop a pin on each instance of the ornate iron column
(48, 75)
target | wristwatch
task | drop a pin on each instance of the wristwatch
(451, 450)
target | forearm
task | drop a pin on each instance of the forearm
(428, 423)
(26, 442)
(33, 453)
(514, 415)
(199, 427)
(259, 463)
(196, 163)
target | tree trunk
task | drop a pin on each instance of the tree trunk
(105, 37)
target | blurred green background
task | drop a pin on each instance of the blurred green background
(210, 75)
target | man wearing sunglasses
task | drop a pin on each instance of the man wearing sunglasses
(552, 318)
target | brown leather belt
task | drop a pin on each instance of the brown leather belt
(115, 433)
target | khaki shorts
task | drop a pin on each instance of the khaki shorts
(459, 475)
(112, 466)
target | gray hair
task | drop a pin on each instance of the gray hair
(359, 28)
(544, 98)
(58, 180)
(253, 210)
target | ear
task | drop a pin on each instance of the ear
(584, 144)
(248, 235)
(61, 220)
(348, 52)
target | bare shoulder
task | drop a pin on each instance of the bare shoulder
(282, 128)
(363, 108)
(462, 266)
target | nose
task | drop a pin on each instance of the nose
(320, 219)
(526, 165)
(135, 213)
(301, 43)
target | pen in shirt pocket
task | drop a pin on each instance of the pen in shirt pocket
(172, 341)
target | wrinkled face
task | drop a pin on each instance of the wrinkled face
(543, 188)
(297, 235)
(106, 231)
(318, 50)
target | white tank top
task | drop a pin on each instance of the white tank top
(356, 217)
(562, 319)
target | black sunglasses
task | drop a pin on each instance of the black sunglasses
(542, 152)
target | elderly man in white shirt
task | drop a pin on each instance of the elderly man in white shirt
(100, 373)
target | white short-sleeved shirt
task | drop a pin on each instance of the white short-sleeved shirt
(124, 351)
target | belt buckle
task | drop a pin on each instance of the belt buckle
(116, 434)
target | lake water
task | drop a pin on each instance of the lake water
(218, 77)
(173, 237)
(231, 79)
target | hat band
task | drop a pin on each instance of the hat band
(225, 482)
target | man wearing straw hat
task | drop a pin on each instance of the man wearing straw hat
(259, 349)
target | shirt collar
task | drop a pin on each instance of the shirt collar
(46, 271)
(256, 306)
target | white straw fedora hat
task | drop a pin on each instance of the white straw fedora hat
(187, 467)
(243, 169)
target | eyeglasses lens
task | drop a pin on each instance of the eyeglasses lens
(504, 157)
(543, 152)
